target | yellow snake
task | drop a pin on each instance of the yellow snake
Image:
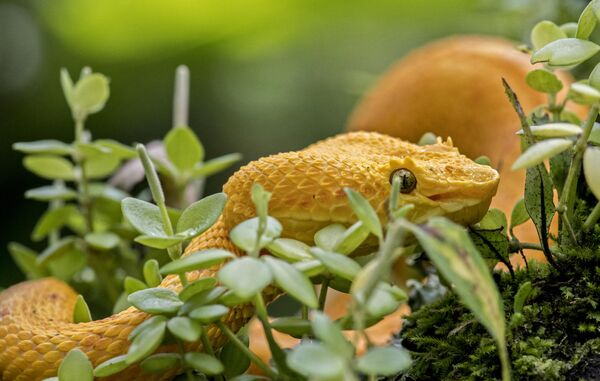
(36, 328)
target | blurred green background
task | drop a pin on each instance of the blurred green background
(266, 75)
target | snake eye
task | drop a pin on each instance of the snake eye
(408, 180)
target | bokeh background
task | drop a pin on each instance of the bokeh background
(266, 75)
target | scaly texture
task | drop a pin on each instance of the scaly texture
(36, 328)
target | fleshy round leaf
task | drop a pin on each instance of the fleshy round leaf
(147, 341)
(384, 300)
(156, 301)
(493, 219)
(196, 261)
(384, 361)
(51, 193)
(160, 362)
(327, 237)
(50, 167)
(81, 312)
(26, 260)
(594, 78)
(308, 359)
(245, 276)
(234, 359)
(204, 363)
(131, 285)
(544, 33)
(565, 52)
(310, 268)
(117, 149)
(292, 281)
(554, 130)
(427, 138)
(183, 148)
(209, 314)
(260, 198)
(159, 242)
(541, 151)
(543, 81)
(100, 166)
(293, 326)
(144, 216)
(197, 287)
(90, 94)
(152, 273)
(289, 249)
(244, 235)
(352, 238)
(584, 94)
(337, 264)
(76, 367)
(519, 214)
(591, 169)
(102, 241)
(365, 212)
(48, 147)
(54, 219)
(146, 324)
(331, 335)
(202, 298)
(201, 215)
(587, 22)
(216, 165)
(111, 366)
(184, 328)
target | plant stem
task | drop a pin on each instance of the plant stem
(242, 347)
(82, 184)
(567, 196)
(187, 370)
(323, 293)
(592, 218)
(276, 351)
(208, 348)
(505, 361)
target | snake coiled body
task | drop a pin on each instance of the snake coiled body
(36, 328)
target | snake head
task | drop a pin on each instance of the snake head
(307, 186)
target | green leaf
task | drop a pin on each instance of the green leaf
(111, 366)
(156, 301)
(215, 165)
(521, 296)
(587, 22)
(260, 198)
(595, 135)
(310, 268)
(544, 33)
(196, 261)
(202, 298)
(565, 52)
(183, 148)
(67, 86)
(51, 193)
(146, 324)
(47, 147)
(352, 238)
(337, 264)
(427, 139)
(384, 300)
(89, 94)
(543, 81)
(102, 241)
(54, 219)
(519, 214)
(541, 151)
(293, 326)
(64, 264)
(583, 94)
(143, 216)
(244, 235)
(204, 363)
(209, 314)
(159, 242)
(201, 215)
(492, 244)
(594, 78)
(147, 341)
(131, 285)
(234, 359)
(384, 361)
(327, 237)
(55, 250)
(539, 198)
(184, 328)
(196, 287)
(493, 219)
(231, 299)
(331, 335)
(483, 160)
(26, 260)
(76, 367)
(81, 312)
(292, 281)
(160, 362)
(50, 167)
(289, 249)
(570, 29)
(308, 360)
(591, 169)
(100, 166)
(245, 276)
(457, 259)
(365, 212)
(151, 273)
(117, 149)
(554, 130)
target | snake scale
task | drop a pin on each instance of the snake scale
(36, 328)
